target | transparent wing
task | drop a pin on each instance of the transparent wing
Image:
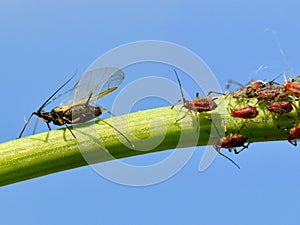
(95, 84)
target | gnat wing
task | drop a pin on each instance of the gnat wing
(95, 84)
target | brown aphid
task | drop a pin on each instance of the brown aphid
(272, 92)
(247, 112)
(248, 91)
(197, 105)
(280, 107)
(232, 141)
(200, 104)
(294, 134)
(293, 86)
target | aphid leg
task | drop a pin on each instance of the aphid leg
(70, 131)
(181, 118)
(88, 100)
(35, 126)
(27, 122)
(208, 118)
(229, 83)
(218, 149)
(176, 103)
(197, 122)
(293, 142)
(214, 92)
(129, 142)
(244, 147)
(48, 125)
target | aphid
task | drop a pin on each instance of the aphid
(231, 142)
(293, 86)
(280, 107)
(272, 92)
(247, 112)
(197, 105)
(200, 104)
(294, 134)
(245, 91)
(80, 105)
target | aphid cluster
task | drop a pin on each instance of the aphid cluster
(274, 97)
(278, 99)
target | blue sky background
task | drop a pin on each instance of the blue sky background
(44, 42)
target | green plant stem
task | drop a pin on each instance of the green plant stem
(149, 131)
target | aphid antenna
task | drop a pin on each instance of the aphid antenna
(38, 112)
(179, 83)
(181, 91)
(50, 99)
(226, 157)
(184, 101)
(20, 135)
(273, 81)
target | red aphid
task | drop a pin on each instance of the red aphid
(200, 104)
(248, 91)
(293, 88)
(272, 92)
(232, 141)
(197, 105)
(247, 112)
(294, 134)
(280, 107)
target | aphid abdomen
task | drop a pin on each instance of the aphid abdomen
(247, 112)
(83, 113)
(272, 92)
(248, 91)
(231, 141)
(204, 104)
(76, 114)
(294, 88)
(280, 107)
